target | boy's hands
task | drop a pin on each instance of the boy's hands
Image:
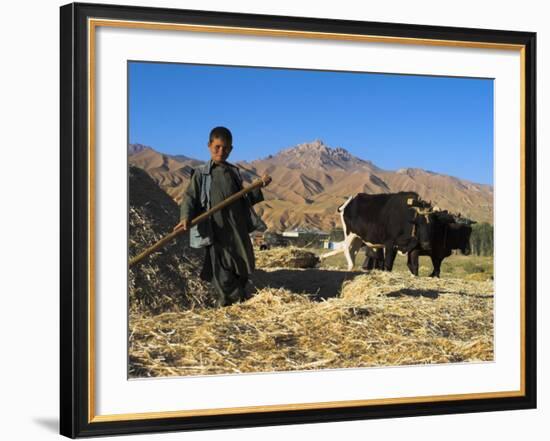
(182, 226)
(266, 179)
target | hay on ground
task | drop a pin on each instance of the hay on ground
(286, 257)
(168, 279)
(380, 319)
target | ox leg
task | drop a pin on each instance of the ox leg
(412, 262)
(379, 261)
(368, 263)
(374, 259)
(390, 253)
(436, 262)
(351, 247)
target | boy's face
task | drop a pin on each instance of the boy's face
(219, 150)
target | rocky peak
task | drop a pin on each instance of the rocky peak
(136, 148)
(412, 172)
(316, 154)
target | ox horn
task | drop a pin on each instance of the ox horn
(422, 211)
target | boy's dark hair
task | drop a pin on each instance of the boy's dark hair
(221, 133)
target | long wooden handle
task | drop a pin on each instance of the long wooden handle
(202, 217)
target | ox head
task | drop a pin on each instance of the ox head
(465, 221)
(455, 230)
(422, 227)
(463, 230)
(422, 224)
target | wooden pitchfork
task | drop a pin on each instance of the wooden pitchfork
(202, 217)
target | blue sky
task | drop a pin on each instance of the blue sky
(435, 123)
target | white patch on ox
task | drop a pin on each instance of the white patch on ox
(341, 211)
(352, 242)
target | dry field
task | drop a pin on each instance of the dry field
(325, 317)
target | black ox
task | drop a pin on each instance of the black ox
(448, 234)
(392, 221)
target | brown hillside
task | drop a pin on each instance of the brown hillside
(172, 173)
(311, 180)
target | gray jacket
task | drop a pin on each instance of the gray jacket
(201, 235)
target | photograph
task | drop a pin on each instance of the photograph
(269, 220)
(285, 219)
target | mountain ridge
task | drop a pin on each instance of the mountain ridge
(311, 179)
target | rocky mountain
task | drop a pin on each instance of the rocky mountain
(317, 155)
(311, 180)
(136, 148)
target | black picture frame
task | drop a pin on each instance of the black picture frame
(76, 417)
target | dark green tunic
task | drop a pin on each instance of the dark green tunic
(230, 259)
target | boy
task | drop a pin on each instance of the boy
(229, 256)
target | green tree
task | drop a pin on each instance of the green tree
(481, 240)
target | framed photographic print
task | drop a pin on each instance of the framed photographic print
(273, 220)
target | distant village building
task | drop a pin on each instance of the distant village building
(299, 237)
(293, 233)
(306, 237)
(268, 239)
(301, 231)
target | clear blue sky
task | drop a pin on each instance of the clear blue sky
(435, 123)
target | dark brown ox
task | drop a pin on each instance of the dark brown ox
(447, 235)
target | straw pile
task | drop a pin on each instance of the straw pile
(285, 257)
(168, 279)
(380, 319)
